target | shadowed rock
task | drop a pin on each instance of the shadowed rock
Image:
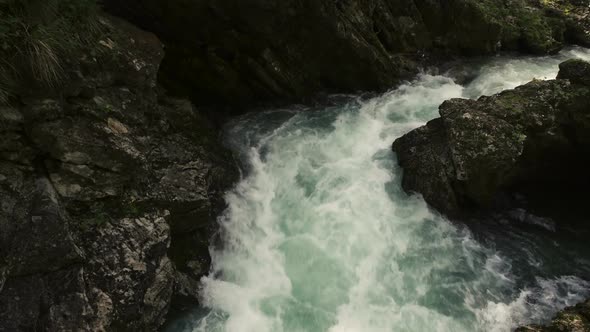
(101, 184)
(240, 53)
(532, 138)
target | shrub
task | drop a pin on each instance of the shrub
(35, 35)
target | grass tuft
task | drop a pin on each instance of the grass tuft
(35, 35)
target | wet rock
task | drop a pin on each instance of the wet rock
(572, 319)
(102, 182)
(129, 267)
(524, 140)
(124, 283)
(242, 53)
(522, 216)
(424, 155)
(576, 71)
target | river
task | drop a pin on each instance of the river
(319, 236)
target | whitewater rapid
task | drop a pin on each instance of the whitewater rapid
(319, 235)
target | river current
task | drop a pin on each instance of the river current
(319, 236)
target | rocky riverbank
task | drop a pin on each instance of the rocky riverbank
(109, 190)
(500, 155)
(532, 138)
(238, 54)
(111, 186)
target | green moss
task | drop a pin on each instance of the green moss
(563, 6)
(524, 27)
(569, 321)
(539, 33)
(512, 102)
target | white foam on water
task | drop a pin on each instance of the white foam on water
(319, 236)
(533, 305)
(507, 73)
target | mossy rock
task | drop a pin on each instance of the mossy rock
(535, 136)
(576, 71)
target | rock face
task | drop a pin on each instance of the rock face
(103, 185)
(239, 53)
(573, 319)
(535, 137)
(577, 13)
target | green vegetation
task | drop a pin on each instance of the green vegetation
(564, 6)
(525, 26)
(35, 35)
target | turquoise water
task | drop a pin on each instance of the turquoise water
(319, 235)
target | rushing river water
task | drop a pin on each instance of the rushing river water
(319, 235)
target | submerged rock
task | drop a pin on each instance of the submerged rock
(103, 185)
(532, 138)
(240, 53)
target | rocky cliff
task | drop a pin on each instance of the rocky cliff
(109, 192)
(240, 53)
